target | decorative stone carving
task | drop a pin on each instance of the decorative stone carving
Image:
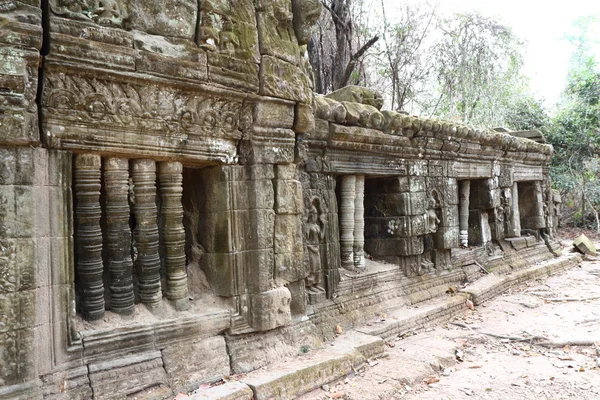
(306, 14)
(358, 94)
(88, 235)
(147, 262)
(118, 235)
(173, 233)
(314, 233)
(103, 12)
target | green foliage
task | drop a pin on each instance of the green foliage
(575, 130)
(477, 63)
(527, 113)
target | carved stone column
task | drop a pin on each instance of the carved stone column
(359, 223)
(88, 236)
(147, 264)
(118, 235)
(514, 225)
(173, 233)
(463, 211)
(348, 190)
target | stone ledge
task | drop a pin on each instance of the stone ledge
(228, 391)
(402, 321)
(290, 379)
(491, 286)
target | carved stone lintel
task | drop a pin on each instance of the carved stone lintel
(118, 235)
(88, 235)
(173, 233)
(147, 264)
(359, 223)
(463, 211)
(348, 190)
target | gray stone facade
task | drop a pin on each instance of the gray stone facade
(177, 205)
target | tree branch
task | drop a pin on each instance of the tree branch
(355, 57)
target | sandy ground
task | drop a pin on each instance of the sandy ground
(495, 351)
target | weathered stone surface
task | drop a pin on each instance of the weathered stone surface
(279, 78)
(358, 94)
(270, 309)
(585, 245)
(229, 391)
(127, 375)
(192, 364)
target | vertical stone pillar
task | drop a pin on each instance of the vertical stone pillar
(147, 264)
(359, 223)
(173, 233)
(514, 225)
(88, 235)
(463, 211)
(118, 235)
(347, 191)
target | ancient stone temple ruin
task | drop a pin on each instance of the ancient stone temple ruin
(176, 205)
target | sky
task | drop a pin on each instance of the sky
(542, 25)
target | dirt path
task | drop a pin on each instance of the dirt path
(563, 308)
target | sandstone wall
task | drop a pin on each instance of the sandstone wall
(177, 205)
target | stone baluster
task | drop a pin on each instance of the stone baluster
(463, 211)
(146, 235)
(359, 223)
(88, 236)
(173, 233)
(515, 214)
(348, 190)
(118, 235)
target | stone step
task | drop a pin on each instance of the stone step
(490, 286)
(400, 321)
(291, 378)
(227, 391)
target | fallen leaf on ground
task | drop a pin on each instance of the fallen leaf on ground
(431, 379)
(475, 366)
(337, 395)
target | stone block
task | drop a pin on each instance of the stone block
(274, 113)
(17, 310)
(358, 94)
(304, 119)
(288, 234)
(72, 384)
(299, 297)
(191, 364)
(254, 229)
(17, 350)
(288, 197)
(171, 18)
(289, 267)
(417, 168)
(269, 310)
(229, 391)
(17, 211)
(585, 245)
(447, 237)
(17, 265)
(286, 172)
(258, 266)
(449, 216)
(283, 80)
(396, 204)
(392, 247)
(120, 377)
